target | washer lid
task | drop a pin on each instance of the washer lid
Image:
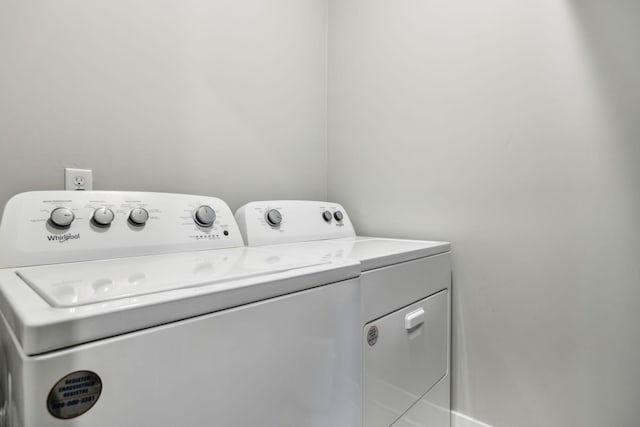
(73, 285)
(56, 306)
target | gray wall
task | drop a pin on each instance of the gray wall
(213, 97)
(506, 127)
(511, 129)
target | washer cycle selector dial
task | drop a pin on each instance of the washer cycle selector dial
(138, 216)
(204, 216)
(103, 217)
(338, 216)
(326, 215)
(61, 217)
(273, 217)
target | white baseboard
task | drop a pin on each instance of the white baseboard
(461, 420)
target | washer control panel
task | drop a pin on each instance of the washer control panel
(44, 227)
(288, 221)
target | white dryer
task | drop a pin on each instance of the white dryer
(405, 305)
(145, 309)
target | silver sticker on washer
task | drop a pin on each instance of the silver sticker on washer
(74, 394)
(372, 335)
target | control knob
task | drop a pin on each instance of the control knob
(138, 216)
(62, 217)
(338, 215)
(326, 215)
(103, 217)
(273, 217)
(204, 216)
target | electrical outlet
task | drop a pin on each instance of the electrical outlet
(78, 179)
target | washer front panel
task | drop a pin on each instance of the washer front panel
(287, 361)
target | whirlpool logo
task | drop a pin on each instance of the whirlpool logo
(61, 238)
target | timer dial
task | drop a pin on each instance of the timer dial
(273, 217)
(138, 216)
(103, 216)
(204, 216)
(62, 217)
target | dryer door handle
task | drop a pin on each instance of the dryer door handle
(414, 319)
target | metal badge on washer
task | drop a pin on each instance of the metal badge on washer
(372, 335)
(74, 394)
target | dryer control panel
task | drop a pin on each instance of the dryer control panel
(44, 227)
(290, 221)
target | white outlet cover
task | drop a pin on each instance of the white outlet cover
(78, 179)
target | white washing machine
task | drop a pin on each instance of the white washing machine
(405, 305)
(145, 309)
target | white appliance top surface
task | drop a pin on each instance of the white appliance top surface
(319, 224)
(55, 306)
(371, 252)
(72, 285)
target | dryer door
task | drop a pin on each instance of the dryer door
(405, 354)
